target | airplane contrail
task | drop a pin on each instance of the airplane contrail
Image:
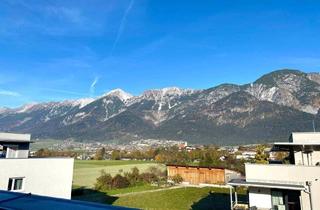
(122, 26)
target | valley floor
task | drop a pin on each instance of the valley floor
(146, 196)
(87, 171)
(177, 198)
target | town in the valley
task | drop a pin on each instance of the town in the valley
(159, 105)
(240, 176)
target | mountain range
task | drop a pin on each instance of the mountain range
(266, 110)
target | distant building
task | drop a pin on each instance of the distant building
(196, 175)
(222, 158)
(183, 145)
(246, 155)
(295, 185)
(41, 176)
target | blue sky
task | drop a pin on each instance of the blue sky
(56, 50)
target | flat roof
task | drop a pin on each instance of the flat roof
(296, 144)
(305, 133)
(301, 137)
(14, 201)
(14, 137)
(285, 146)
(244, 183)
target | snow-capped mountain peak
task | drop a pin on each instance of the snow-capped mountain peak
(3, 109)
(164, 92)
(172, 91)
(82, 102)
(121, 94)
(26, 107)
(314, 77)
(204, 116)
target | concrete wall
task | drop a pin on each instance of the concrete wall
(302, 159)
(17, 150)
(229, 175)
(15, 137)
(305, 137)
(42, 176)
(315, 191)
(288, 174)
(260, 197)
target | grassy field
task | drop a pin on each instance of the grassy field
(180, 199)
(170, 199)
(44, 143)
(144, 196)
(139, 188)
(86, 171)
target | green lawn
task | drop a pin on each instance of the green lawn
(87, 192)
(170, 199)
(173, 199)
(139, 188)
(99, 163)
(86, 171)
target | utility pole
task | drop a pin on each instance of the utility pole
(314, 127)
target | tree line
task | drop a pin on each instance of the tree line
(208, 156)
(129, 179)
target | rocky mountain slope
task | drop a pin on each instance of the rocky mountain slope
(263, 111)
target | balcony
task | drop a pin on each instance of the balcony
(281, 174)
(295, 185)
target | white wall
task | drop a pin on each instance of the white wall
(315, 191)
(43, 176)
(305, 137)
(314, 158)
(13, 151)
(288, 174)
(15, 137)
(260, 197)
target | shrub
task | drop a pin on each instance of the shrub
(133, 176)
(120, 182)
(177, 179)
(104, 181)
(115, 155)
(157, 171)
(148, 177)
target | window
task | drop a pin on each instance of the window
(15, 184)
(277, 199)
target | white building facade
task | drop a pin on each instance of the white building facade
(41, 176)
(291, 186)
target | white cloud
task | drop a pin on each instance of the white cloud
(93, 85)
(49, 18)
(9, 93)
